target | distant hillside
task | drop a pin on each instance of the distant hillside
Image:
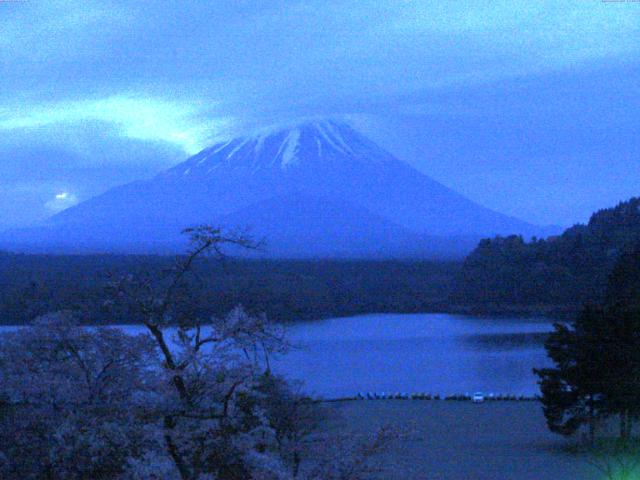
(557, 273)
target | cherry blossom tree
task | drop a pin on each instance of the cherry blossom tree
(192, 398)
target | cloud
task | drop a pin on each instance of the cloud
(138, 118)
(189, 71)
(61, 201)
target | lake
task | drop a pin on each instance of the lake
(413, 353)
(431, 353)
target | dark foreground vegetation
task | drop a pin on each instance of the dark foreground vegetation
(286, 290)
(597, 360)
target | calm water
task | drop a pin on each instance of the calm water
(431, 353)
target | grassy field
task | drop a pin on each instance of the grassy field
(460, 440)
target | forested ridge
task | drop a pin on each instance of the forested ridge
(286, 290)
(560, 273)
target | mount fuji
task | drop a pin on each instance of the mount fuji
(314, 189)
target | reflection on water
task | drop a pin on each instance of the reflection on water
(432, 353)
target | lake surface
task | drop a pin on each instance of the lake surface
(413, 353)
(431, 353)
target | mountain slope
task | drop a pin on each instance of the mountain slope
(320, 177)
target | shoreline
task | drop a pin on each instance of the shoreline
(489, 398)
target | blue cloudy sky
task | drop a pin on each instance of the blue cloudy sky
(531, 108)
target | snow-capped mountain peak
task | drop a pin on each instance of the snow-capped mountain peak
(282, 148)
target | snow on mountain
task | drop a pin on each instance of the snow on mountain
(304, 144)
(316, 188)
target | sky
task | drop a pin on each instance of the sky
(530, 108)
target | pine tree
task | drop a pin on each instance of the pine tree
(597, 360)
(572, 391)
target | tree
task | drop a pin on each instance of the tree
(70, 400)
(623, 290)
(597, 361)
(193, 398)
(211, 370)
(224, 413)
(572, 391)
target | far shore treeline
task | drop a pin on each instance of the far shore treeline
(286, 290)
(502, 276)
